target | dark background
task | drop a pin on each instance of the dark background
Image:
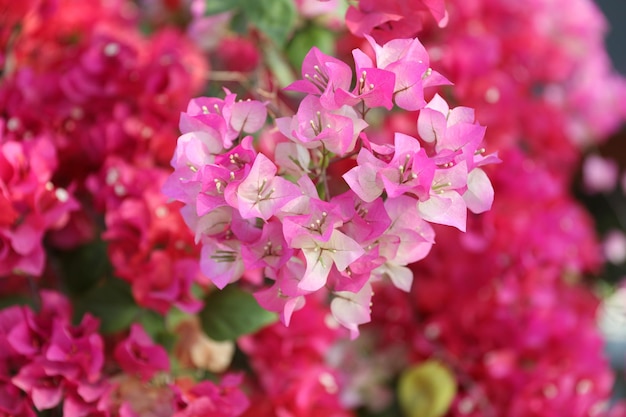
(615, 12)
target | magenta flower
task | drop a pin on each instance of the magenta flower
(314, 126)
(409, 171)
(46, 391)
(12, 402)
(139, 355)
(206, 398)
(76, 352)
(270, 250)
(221, 261)
(225, 119)
(262, 193)
(409, 61)
(323, 75)
(34, 205)
(395, 18)
(284, 296)
(363, 221)
(374, 87)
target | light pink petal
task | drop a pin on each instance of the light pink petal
(439, 104)
(351, 309)
(318, 264)
(363, 180)
(461, 115)
(479, 194)
(400, 276)
(408, 89)
(431, 125)
(344, 250)
(447, 208)
(361, 59)
(221, 263)
(248, 116)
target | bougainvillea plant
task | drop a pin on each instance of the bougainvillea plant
(300, 208)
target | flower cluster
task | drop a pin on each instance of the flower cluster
(551, 67)
(49, 363)
(304, 382)
(30, 203)
(87, 129)
(500, 305)
(312, 190)
(508, 323)
(279, 216)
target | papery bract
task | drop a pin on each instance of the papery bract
(139, 355)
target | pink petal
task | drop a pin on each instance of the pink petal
(479, 194)
(248, 116)
(447, 208)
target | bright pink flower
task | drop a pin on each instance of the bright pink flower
(139, 355)
(207, 398)
(45, 391)
(323, 75)
(36, 205)
(394, 19)
(290, 365)
(165, 282)
(374, 88)
(362, 221)
(238, 54)
(270, 250)
(284, 296)
(409, 171)
(262, 193)
(12, 403)
(221, 262)
(409, 61)
(314, 126)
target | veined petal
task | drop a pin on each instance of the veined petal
(446, 208)
(248, 116)
(318, 264)
(479, 194)
(344, 250)
(351, 309)
(400, 276)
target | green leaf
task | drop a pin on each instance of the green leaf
(85, 266)
(239, 23)
(219, 6)
(281, 69)
(15, 299)
(275, 18)
(233, 312)
(112, 302)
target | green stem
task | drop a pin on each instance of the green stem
(323, 175)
